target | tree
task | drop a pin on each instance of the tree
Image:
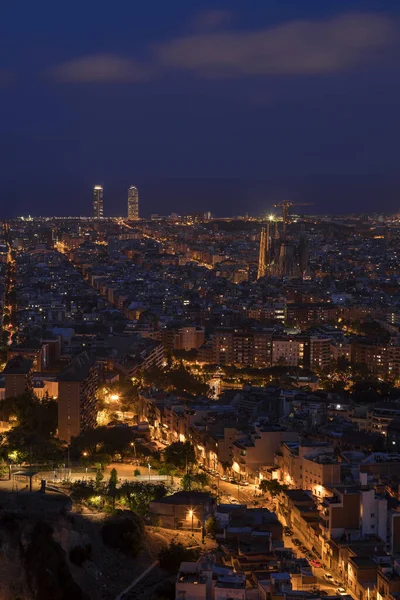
(202, 479)
(82, 490)
(139, 494)
(112, 486)
(171, 556)
(186, 482)
(180, 454)
(124, 531)
(272, 486)
(106, 441)
(99, 480)
(167, 469)
(211, 526)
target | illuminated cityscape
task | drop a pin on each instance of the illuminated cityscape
(200, 394)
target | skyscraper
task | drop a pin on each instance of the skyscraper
(133, 203)
(98, 202)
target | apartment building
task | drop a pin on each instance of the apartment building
(308, 466)
(241, 347)
(18, 376)
(183, 338)
(382, 415)
(77, 386)
(381, 358)
(258, 449)
(311, 352)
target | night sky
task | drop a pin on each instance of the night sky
(222, 106)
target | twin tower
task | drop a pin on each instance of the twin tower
(133, 203)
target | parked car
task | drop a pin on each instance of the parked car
(329, 578)
(309, 556)
(315, 563)
(341, 591)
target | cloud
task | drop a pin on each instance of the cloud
(295, 47)
(100, 68)
(210, 19)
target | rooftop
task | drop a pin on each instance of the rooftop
(18, 366)
(78, 369)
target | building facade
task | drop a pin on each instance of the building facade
(98, 212)
(18, 376)
(133, 203)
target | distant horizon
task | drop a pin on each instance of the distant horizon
(327, 194)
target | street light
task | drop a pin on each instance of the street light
(133, 445)
(149, 465)
(191, 515)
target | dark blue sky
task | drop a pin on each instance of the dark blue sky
(221, 106)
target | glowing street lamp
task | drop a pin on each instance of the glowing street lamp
(133, 445)
(191, 515)
(149, 465)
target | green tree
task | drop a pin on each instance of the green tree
(211, 526)
(99, 480)
(273, 487)
(139, 495)
(167, 469)
(186, 482)
(202, 479)
(112, 486)
(180, 454)
(82, 490)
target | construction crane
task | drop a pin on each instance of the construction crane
(285, 204)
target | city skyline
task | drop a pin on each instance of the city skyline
(200, 300)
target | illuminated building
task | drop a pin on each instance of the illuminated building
(133, 203)
(98, 202)
(77, 386)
